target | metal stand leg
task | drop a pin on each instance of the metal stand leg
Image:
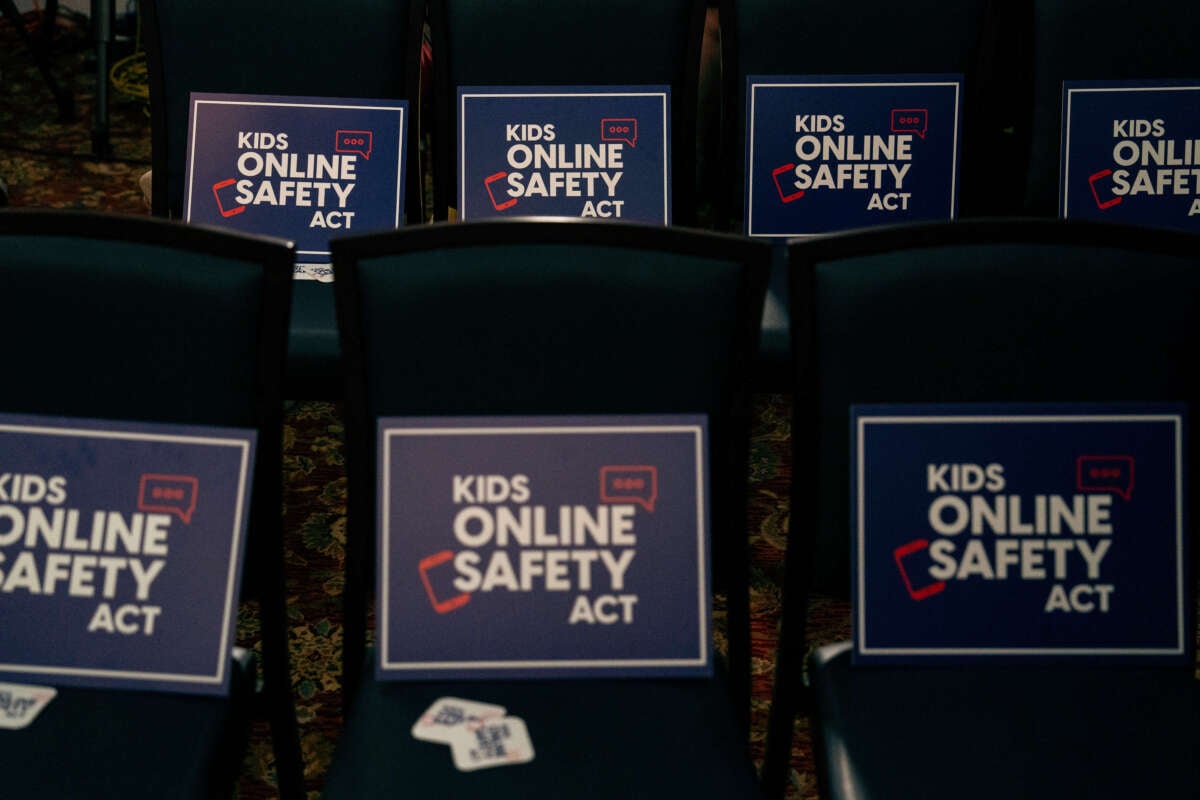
(102, 11)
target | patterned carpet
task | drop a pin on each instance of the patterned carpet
(47, 163)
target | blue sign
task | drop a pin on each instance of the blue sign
(597, 152)
(830, 153)
(546, 546)
(120, 552)
(1131, 153)
(300, 168)
(1036, 532)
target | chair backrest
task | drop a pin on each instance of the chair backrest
(140, 319)
(987, 311)
(135, 318)
(1159, 43)
(531, 43)
(363, 48)
(131, 318)
(550, 317)
(818, 37)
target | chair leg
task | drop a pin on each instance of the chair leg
(277, 692)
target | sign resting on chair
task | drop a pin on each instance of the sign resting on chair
(544, 546)
(121, 548)
(1036, 532)
(829, 153)
(305, 169)
(1131, 153)
(590, 152)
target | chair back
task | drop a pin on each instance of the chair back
(536, 317)
(1160, 44)
(362, 48)
(531, 43)
(821, 38)
(977, 312)
(140, 319)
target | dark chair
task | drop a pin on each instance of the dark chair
(1062, 47)
(365, 49)
(974, 312)
(129, 318)
(517, 317)
(774, 37)
(973, 39)
(580, 44)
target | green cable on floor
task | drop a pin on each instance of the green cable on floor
(130, 75)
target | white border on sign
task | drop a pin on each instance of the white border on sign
(462, 155)
(860, 534)
(750, 142)
(701, 556)
(1066, 155)
(231, 576)
(187, 213)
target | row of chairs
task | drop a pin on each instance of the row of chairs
(1014, 55)
(142, 319)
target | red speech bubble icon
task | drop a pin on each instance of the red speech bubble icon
(919, 592)
(1113, 474)
(169, 494)
(619, 129)
(910, 120)
(355, 142)
(629, 484)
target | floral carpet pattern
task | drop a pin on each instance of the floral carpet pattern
(47, 161)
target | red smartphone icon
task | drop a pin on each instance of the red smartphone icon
(902, 552)
(775, 173)
(232, 211)
(440, 606)
(1103, 204)
(503, 204)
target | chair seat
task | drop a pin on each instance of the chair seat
(314, 355)
(95, 743)
(774, 369)
(592, 738)
(1003, 732)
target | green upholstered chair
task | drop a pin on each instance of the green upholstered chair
(139, 319)
(367, 48)
(1016, 311)
(517, 317)
(1061, 41)
(819, 37)
(568, 44)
